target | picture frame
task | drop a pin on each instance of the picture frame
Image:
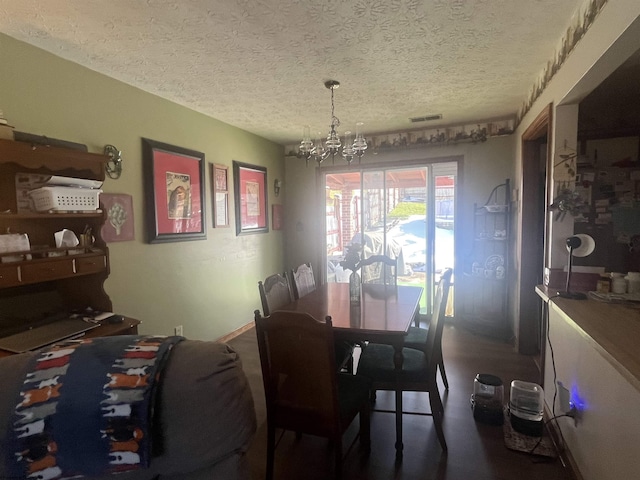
(119, 225)
(220, 195)
(174, 192)
(251, 200)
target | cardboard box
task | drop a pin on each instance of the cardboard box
(6, 132)
(556, 279)
(25, 182)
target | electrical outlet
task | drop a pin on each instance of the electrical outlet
(178, 331)
(574, 413)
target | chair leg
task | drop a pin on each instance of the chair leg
(365, 427)
(271, 447)
(443, 374)
(437, 412)
(338, 453)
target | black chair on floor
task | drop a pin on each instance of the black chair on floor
(419, 366)
(416, 338)
(303, 392)
(303, 283)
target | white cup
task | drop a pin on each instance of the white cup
(633, 282)
(618, 283)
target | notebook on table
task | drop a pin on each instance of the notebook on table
(43, 335)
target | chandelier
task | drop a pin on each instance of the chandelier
(318, 151)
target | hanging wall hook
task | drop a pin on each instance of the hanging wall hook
(114, 165)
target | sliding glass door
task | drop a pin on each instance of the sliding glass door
(406, 213)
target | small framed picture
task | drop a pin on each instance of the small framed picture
(119, 224)
(250, 195)
(220, 197)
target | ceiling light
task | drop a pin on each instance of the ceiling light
(318, 151)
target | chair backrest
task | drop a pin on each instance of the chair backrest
(379, 269)
(275, 292)
(299, 372)
(434, 337)
(303, 280)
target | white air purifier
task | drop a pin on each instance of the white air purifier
(526, 407)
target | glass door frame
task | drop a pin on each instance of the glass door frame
(432, 166)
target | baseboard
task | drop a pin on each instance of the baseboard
(239, 331)
(564, 454)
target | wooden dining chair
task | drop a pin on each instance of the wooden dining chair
(416, 338)
(303, 391)
(275, 292)
(379, 269)
(304, 281)
(419, 366)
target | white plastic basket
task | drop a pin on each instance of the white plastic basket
(65, 199)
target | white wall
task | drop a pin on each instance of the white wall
(605, 442)
(606, 446)
(612, 39)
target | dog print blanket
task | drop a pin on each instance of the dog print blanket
(86, 408)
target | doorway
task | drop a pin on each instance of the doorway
(404, 212)
(536, 153)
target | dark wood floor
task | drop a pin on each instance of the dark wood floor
(476, 451)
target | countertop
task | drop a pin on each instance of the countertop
(613, 329)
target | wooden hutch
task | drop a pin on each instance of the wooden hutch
(36, 283)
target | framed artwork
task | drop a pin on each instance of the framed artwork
(119, 211)
(175, 189)
(276, 216)
(220, 197)
(250, 195)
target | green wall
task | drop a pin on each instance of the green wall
(208, 286)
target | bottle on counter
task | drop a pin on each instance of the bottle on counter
(604, 283)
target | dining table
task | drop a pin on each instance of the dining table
(383, 315)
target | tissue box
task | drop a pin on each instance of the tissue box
(13, 246)
(556, 278)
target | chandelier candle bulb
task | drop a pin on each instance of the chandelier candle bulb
(306, 143)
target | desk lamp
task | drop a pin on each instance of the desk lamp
(579, 245)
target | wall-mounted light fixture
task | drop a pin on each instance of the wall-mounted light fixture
(277, 184)
(114, 166)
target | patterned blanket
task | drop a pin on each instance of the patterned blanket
(86, 408)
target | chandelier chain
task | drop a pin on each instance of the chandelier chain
(334, 120)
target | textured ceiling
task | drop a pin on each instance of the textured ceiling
(260, 64)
